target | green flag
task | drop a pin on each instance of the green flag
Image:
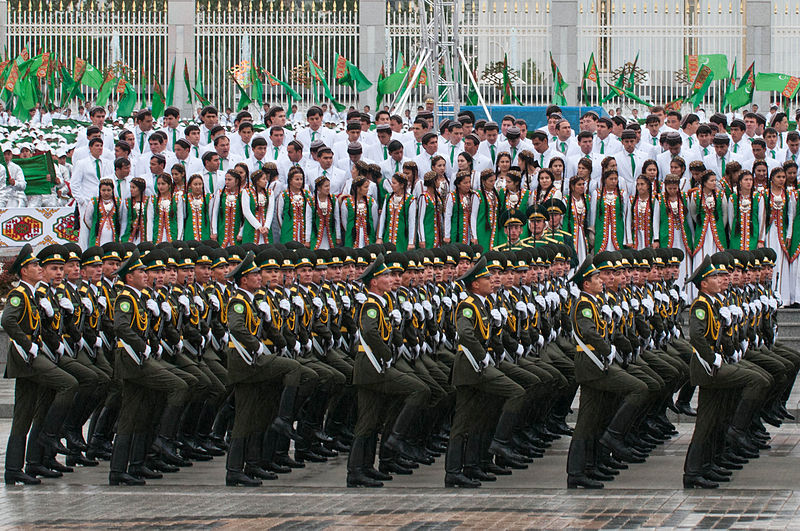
(590, 74)
(743, 95)
(244, 98)
(158, 99)
(170, 97)
(188, 85)
(717, 62)
(700, 86)
(559, 85)
(26, 97)
(198, 87)
(730, 86)
(127, 102)
(348, 74)
(508, 88)
(40, 173)
(318, 76)
(783, 83)
(92, 77)
(105, 91)
(621, 92)
(632, 73)
(258, 87)
(291, 95)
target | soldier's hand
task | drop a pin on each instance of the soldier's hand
(214, 300)
(45, 305)
(153, 307)
(397, 318)
(285, 305)
(66, 304)
(86, 302)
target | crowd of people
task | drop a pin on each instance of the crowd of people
(398, 294)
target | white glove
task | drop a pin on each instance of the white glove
(332, 305)
(102, 302)
(34, 350)
(744, 344)
(183, 300)
(285, 305)
(407, 308)
(437, 300)
(86, 302)
(263, 307)
(553, 335)
(487, 360)
(659, 296)
(159, 351)
(531, 309)
(165, 306)
(153, 307)
(635, 305)
(214, 300)
(418, 309)
(540, 301)
(553, 299)
(60, 349)
(298, 301)
(540, 340)
(778, 300)
(438, 337)
(397, 317)
(45, 305)
(346, 303)
(179, 346)
(617, 311)
(462, 295)
(725, 313)
(574, 291)
(261, 349)
(504, 313)
(308, 345)
(562, 292)
(296, 348)
(737, 312)
(612, 354)
(317, 302)
(773, 304)
(98, 342)
(448, 302)
(606, 311)
(520, 350)
(649, 305)
(684, 297)
(497, 317)
(361, 298)
(199, 302)
(674, 294)
(625, 307)
(66, 304)
(757, 305)
(426, 305)
(147, 351)
(764, 301)
(717, 360)
(521, 307)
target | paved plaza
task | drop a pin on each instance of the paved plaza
(645, 496)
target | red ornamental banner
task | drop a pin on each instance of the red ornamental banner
(692, 66)
(791, 87)
(341, 67)
(41, 72)
(13, 76)
(701, 78)
(121, 85)
(80, 68)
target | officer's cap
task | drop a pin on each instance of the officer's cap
(24, 258)
(52, 254)
(245, 266)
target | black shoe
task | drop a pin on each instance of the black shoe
(285, 428)
(80, 460)
(189, 453)
(599, 476)
(377, 474)
(54, 464)
(619, 449)
(493, 468)
(607, 470)
(285, 460)
(573, 482)
(309, 455)
(53, 443)
(392, 467)
(143, 472)
(359, 479)
(337, 446)
(235, 479)
(212, 449)
(257, 472)
(160, 466)
(771, 420)
(123, 478)
(402, 461)
(721, 471)
(452, 480)
(475, 472)
(272, 466)
(698, 482)
(785, 412)
(728, 465)
(75, 441)
(716, 478)
(97, 453)
(510, 463)
(41, 470)
(18, 476)
(320, 449)
(685, 409)
(615, 463)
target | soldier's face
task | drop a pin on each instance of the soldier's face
(92, 273)
(250, 281)
(109, 267)
(381, 284)
(137, 279)
(483, 285)
(202, 273)
(72, 271)
(53, 273)
(304, 275)
(156, 277)
(593, 285)
(31, 273)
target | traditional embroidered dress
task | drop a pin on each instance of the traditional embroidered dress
(431, 220)
(485, 216)
(745, 215)
(794, 247)
(257, 213)
(458, 217)
(671, 220)
(709, 212)
(576, 222)
(295, 216)
(609, 220)
(777, 236)
(197, 225)
(105, 221)
(165, 222)
(323, 229)
(229, 218)
(639, 223)
(139, 220)
(515, 202)
(359, 222)
(398, 221)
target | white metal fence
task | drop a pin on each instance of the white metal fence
(279, 35)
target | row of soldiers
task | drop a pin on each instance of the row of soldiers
(167, 349)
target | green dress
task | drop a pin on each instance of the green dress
(746, 222)
(229, 218)
(259, 211)
(488, 211)
(102, 218)
(197, 221)
(396, 226)
(165, 216)
(357, 221)
(609, 223)
(293, 216)
(461, 218)
(136, 226)
(323, 224)
(430, 219)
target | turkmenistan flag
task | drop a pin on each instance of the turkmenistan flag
(717, 62)
(244, 98)
(559, 85)
(318, 76)
(700, 85)
(258, 87)
(508, 88)
(730, 86)
(348, 74)
(39, 172)
(198, 88)
(290, 92)
(783, 83)
(127, 102)
(92, 77)
(158, 99)
(25, 90)
(109, 84)
(170, 96)
(743, 94)
(189, 98)
(625, 93)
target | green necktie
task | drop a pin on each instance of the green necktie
(312, 135)
(452, 152)
(773, 153)
(141, 143)
(735, 148)
(211, 182)
(513, 153)
(554, 138)
(396, 167)
(705, 151)
(324, 173)
(246, 151)
(119, 191)
(723, 167)
(602, 147)
(654, 141)
(780, 137)
(563, 147)
(209, 137)
(418, 146)
(492, 148)
(587, 157)
(690, 142)
(276, 153)
(183, 163)
(541, 160)
(97, 168)
(259, 164)
(197, 152)
(794, 159)
(633, 165)
(385, 153)
(174, 132)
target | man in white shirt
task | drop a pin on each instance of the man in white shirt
(276, 143)
(585, 145)
(758, 151)
(565, 142)
(740, 145)
(718, 161)
(294, 157)
(542, 152)
(213, 178)
(183, 156)
(210, 118)
(650, 136)
(97, 115)
(314, 131)
(143, 130)
(276, 116)
(87, 173)
(479, 162)
(689, 126)
(516, 143)
(122, 180)
(354, 154)
(793, 146)
(82, 152)
(675, 148)
(340, 149)
(172, 126)
(227, 160)
(492, 146)
(604, 143)
(774, 152)
(336, 176)
(259, 155)
(157, 146)
(241, 141)
(379, 151)
(192, 135)
(629, 161)
(704, 138)
(413, 144)
(394, 164)
(12, 182)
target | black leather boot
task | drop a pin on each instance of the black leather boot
(614, 436)
(454, 464)
(472, 459)
(576, 467)
(355, 465)
(137, 466)
(118, 471)
(283, 422)
(234, 466)
(15, 457)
